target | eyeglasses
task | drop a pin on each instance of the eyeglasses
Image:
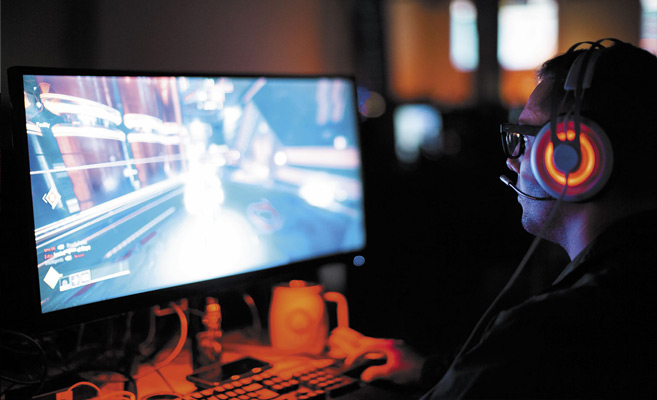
(513, 138)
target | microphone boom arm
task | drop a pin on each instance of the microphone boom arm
(510, 184)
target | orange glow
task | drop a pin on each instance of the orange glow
(570, 135)
(516, 86)
(586, 167)
(45, 87)
(297, 284)
(401, 363)
(418, 53)
(298, 321)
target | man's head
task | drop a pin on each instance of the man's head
(622, 99)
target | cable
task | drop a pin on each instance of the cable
(151, 333)
(128, 330)
(7, 389)
(123, 393)
(255, 315)
(42, 355)
(166, 381)
(80, 335)
(128, 378)
(85, 383)
(181, 342)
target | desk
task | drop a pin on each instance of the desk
(236, 346)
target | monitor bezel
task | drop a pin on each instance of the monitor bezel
(26, 313)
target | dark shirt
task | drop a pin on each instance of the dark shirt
(591, 334)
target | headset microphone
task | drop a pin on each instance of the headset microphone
(510, 184)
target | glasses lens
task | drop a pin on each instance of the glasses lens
(514, 144)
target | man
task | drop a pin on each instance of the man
(592, 333)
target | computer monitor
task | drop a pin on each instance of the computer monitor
(144, 186)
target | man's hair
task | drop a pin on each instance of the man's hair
(623, 101)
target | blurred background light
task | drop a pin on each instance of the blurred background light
(416, 127)
(463, 36)
(648, 39)
(370, 103)
(527, 33)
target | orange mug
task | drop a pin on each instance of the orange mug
(298, 321)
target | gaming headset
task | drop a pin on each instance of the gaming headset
(571, 163)
(576, 154)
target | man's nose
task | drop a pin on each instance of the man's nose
(513, 164)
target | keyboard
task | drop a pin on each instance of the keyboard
(302, 380)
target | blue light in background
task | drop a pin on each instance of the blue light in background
(417, 127)
(648, 39)
(463, 36)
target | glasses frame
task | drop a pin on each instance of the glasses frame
(507, 129)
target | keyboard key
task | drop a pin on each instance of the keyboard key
(266, 394)
(299, 382)
(252, 387)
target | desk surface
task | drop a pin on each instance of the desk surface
(172, 377)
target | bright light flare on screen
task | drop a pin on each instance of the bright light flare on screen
(280, 158)
(231, 118)
(527, 33)
(200, 131)
(340, 143)
(318, 193)
(204, 193)
(227, 241)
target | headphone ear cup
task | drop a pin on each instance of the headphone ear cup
(589, 172)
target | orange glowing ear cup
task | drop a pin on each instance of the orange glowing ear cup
(592, 169)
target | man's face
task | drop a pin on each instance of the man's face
(536, 112)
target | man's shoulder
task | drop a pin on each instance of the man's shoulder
(596, 317)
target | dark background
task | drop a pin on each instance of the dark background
(444, 233)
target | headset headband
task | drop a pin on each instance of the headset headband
(572, 155)
(577, 81)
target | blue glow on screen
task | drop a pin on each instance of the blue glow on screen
(142, 183)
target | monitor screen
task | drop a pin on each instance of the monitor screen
(142, 182)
